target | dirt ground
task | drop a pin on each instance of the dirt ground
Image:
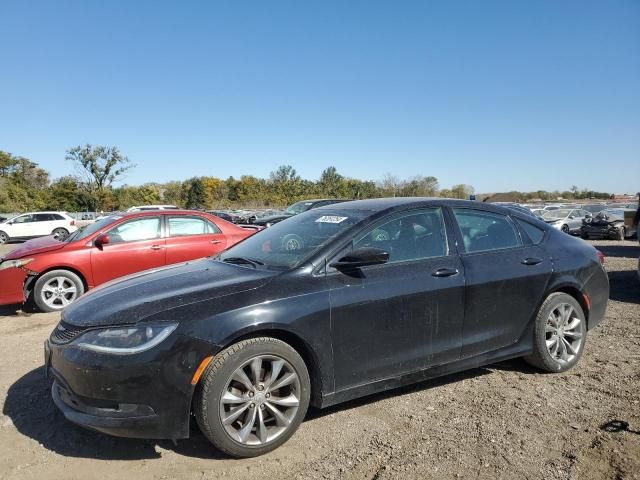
(502, 421)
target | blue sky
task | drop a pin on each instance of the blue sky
(498, 94)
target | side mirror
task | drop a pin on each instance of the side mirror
(361, 257)
(571, 217)
(101, 241)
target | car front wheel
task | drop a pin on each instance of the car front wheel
(559, 334)
(252, 397)
(56, 289)
(4, 238)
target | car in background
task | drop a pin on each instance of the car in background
(603, 226)
(517, 207)
(568, 220)
(333, 304)
(144, 208)
(594, 208)
(624, 214)
(228, 216)
(295, 209)
(55, 273)
(37, 224)
(2, 219)
(538, 212)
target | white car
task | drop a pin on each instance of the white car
(37, 224)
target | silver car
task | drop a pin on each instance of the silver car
(569, 220)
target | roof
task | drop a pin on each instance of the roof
(380, 204)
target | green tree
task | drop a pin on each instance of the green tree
(101, 166)
(196, 196)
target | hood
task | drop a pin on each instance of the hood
(136, 297)
(35, 246)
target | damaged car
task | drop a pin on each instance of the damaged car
(53, 272)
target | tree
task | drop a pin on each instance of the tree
(101, 166)
(286, 185)
(196, 196)
(331, 183)
(462, 191)
(391, 185)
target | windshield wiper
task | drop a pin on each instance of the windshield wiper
(245, 260)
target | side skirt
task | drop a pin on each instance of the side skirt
(513, 351)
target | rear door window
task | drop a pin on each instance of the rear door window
(182, 226)
(485, 231)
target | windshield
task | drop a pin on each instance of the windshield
(615, 212)
(92, 228)
(290, 243)
(299, 207)
(561, 213)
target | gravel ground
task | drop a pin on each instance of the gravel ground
(502, 421)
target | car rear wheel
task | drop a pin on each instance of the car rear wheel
(565, 228)
(60, 233)
(56, 289)
(252, 397)
(4, 238)
(559, 334)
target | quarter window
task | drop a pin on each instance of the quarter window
(534, 233)
(483, 231)
(146, 228)
(179, 226)
(408, 236)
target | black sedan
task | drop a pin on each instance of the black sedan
(295, 209)
(332, 304)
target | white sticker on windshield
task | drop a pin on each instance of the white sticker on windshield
(331, 219)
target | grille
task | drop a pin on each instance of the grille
(64, 333)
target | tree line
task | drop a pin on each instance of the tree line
(25, 186)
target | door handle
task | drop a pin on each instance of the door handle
(156, 247)
(445, 272)
(531, 261)
(215, 242)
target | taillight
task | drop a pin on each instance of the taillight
(73, 223)
(600, 256)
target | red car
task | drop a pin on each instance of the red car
(55, 273)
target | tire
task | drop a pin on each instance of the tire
(545, 331)
(44, 290)
(619, 234)
(565, 229)
(4, 238)
(218, 379)
(60, 233)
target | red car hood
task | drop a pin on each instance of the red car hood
(35, 246)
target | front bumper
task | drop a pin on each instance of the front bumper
(12, 286)
(146, 395)
(122, 420)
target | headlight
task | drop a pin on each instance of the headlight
(125, 340)
(15, 263)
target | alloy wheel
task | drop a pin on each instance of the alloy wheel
(260, 400)
(59, 292)
(564, 331)
(60, 234)
(3, 238)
